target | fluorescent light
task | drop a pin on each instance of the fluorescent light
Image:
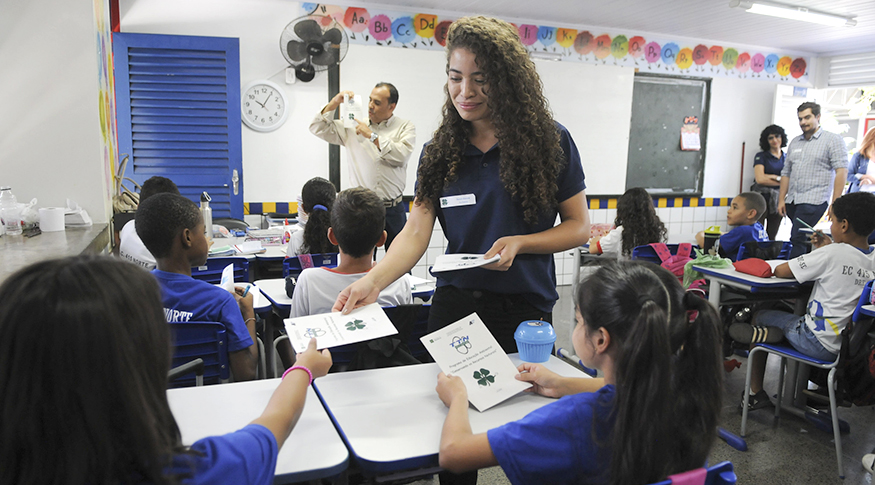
(793, 13)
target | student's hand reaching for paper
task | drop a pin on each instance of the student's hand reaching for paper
(450, 387)
(508, 247)
(546, 382)
(318, 361)
(360, 293)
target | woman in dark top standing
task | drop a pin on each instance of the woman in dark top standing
(767, 166)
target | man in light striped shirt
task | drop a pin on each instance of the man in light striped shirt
(816, 166)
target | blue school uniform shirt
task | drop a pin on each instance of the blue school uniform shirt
(474, 228)
(554, 444)
(732, 240)
(246, 456)
(189, 300)
(772, 165)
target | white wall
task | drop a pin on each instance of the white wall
(740, 109)
(50, 144)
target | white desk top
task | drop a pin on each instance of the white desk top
(275, 291)
(313, 450)
(730, 275)
(391, 418)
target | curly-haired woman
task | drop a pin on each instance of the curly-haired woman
(496, 174)
(767, 166)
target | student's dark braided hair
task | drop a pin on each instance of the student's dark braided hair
(317, 197)
(668, 369)
(531, 156)
(640, 223)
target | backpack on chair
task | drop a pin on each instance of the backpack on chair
(674, 262)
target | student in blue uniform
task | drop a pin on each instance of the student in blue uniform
(85, 352)
(172, 228)
(495, 176)
(652, 415)
(743, 216)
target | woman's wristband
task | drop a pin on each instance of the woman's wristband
(299, 367)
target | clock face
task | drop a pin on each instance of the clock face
(263, 106)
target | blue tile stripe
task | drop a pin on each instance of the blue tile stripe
(256, 208)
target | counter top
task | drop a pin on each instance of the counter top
(16, 252)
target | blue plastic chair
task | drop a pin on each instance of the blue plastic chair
(746, 249)
(788, 352)
(720, 474)
(647, 253)
(294, 265)
(201, 340)
(211, 272)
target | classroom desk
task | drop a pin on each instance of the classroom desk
(731, 277)
(16, 252)
(391, 418)
(312, 451)
(868, 310)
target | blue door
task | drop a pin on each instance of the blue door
(178, 102)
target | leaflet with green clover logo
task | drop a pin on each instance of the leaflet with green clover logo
(467, 349)
(334, 329)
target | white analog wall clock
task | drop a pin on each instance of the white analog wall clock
(263, 106)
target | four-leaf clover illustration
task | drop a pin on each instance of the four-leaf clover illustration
(355, 324)
(483, 377)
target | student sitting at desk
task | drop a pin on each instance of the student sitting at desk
(656, 413)
(88, 373)
(743, 216)
(172, 229)
(130, 245)
(317, 198)
(636, 224)
(839, 272)
(357, 222)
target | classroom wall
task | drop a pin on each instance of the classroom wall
(50, 145)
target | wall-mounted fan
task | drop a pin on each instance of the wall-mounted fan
(313, 43)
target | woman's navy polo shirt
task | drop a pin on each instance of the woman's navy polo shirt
(772, 165)
(474, 228)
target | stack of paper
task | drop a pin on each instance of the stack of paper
(453, 262)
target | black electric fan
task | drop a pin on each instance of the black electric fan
(313, 43)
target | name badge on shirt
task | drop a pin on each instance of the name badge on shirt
(458, 201)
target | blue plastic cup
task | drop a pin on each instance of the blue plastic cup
(534, 340)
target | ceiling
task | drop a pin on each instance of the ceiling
(710, 20)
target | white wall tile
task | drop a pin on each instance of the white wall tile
(689, 228)
(664, 214)
(699, 215)
(598, 216)
(611, 215)
(711, 213)
(421, 272)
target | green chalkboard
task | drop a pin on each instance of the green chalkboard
(659, 106)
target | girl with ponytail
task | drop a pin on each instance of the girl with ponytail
(317, 197)
(653, 414)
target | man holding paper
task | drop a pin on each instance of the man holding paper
(378, 149)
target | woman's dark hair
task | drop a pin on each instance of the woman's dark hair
(531, 156)
(668, 369)
(772, 130)
(85, 350)
(640, 223)
(318, 191)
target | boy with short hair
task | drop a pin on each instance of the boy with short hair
(357, 220)
(743, 216)
(839, 272)
(172, 228)
(131, 247)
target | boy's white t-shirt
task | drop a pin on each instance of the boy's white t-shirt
(131, 247)
(317, 289)
(839, 272)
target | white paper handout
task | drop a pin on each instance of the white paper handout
(250, 247)
(334, 329)
(467, 349)
(352, 109)
(453, 262)
(227, 281)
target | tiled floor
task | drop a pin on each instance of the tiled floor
(787, 451)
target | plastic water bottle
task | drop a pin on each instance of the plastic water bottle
(9, 212)
(207, 214)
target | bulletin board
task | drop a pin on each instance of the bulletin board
(660, 106)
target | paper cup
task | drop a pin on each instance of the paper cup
(51, 219)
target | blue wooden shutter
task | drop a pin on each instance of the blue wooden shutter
(178, 102)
